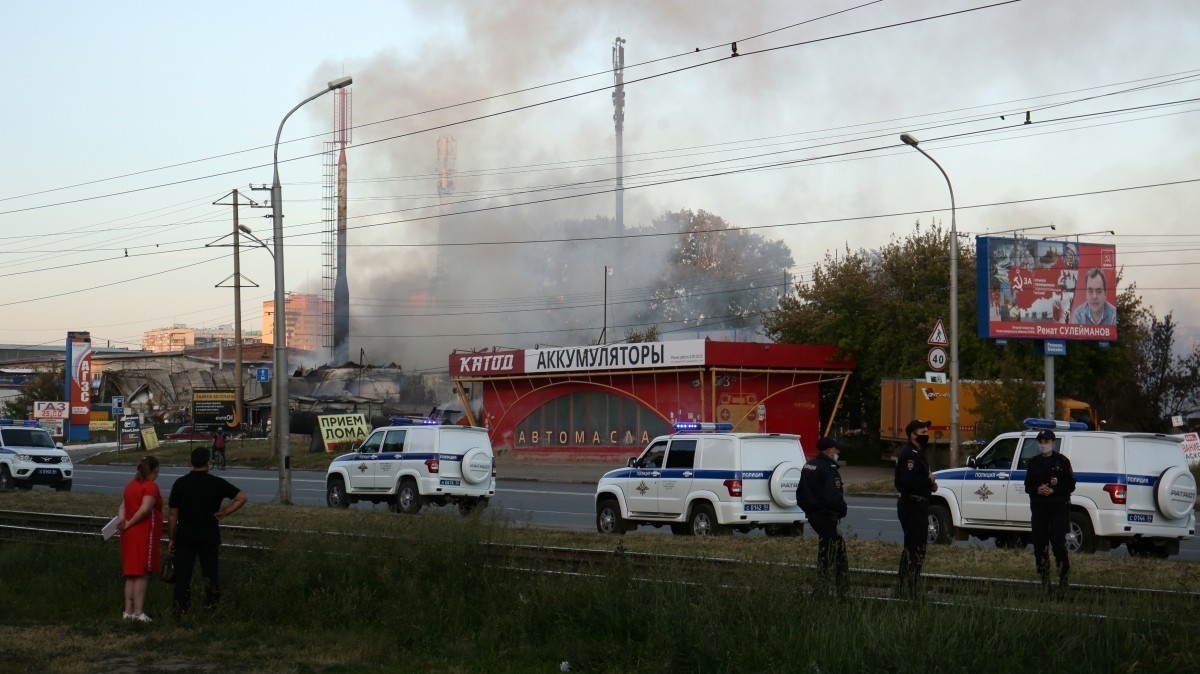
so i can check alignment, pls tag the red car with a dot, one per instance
(188, 433)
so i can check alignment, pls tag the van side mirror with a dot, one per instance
(970, 462)
(632, 462)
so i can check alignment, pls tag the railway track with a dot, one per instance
(873, 584)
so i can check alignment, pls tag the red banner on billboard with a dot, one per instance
(1036, 289)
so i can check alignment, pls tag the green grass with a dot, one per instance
(240, 453)
(416, 595)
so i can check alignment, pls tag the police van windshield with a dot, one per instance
(26, 437)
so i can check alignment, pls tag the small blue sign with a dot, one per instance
(118, 406)
(1001, 342)
(1056, 347)
(263, 374)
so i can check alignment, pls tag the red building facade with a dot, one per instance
(609, 401)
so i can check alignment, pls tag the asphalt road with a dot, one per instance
(552, 505)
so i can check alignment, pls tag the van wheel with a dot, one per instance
(608, 518)
(408, 498)
(1080, 535)
(335, 493)
(941, 527)
(703, 522)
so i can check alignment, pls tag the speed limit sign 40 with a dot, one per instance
(937, 358)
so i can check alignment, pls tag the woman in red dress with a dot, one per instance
(140, 523)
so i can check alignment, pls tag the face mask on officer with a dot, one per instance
(1046, 447)
(922, 441)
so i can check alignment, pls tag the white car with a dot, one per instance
(1131, 488)
(414, 463)
(705, 480)
(29, 456)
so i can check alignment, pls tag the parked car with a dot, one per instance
(1133, 489)
(415, 462)
(29, 456)
(189, 433)
(706, 480)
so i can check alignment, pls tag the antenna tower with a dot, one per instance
(333, 242)
(447, 156)
(618, 99)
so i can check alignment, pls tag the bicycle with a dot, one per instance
(218, 459)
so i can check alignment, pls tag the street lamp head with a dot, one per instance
(908, 139)
(245, 229)
(340, 82)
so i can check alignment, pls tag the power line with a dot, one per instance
(527, 107)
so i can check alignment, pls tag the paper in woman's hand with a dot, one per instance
(111, 528)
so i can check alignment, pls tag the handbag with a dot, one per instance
(168, 568)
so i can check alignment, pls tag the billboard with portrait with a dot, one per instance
(1041, 289)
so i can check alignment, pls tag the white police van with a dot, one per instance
(706, 480)
(415, 462)
(1131, 488)
(29, 456)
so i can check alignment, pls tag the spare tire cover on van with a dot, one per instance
(785, 479)
(476, 465)
(1175, 494)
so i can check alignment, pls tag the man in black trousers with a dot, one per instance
(915, 483)
(1049, 481)
(195, 510)
(820, 496)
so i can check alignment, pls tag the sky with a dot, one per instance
(126, 122)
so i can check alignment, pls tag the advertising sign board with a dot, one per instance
(53, 426)
(1191, 448)
(342, 429)
(130, 430)
(79, 383)
(1036, 289)
(213, 408)
(50, 409)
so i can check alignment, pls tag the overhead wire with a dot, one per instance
(529, 106)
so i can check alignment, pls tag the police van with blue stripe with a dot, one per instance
(29, 456)
(413, 463)
(1131, 488)
(706, 480)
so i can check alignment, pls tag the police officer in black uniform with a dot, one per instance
(820, 495)
(1049, 481)
(915, 483)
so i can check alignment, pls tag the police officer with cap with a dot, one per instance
(915, 483)
(820, 496)
(1049, 481)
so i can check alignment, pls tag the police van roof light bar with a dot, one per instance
(1035, 424)
(702, 426)
(32, 423)
(409, 421)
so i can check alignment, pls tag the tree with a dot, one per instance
(717, 275)
(879, 306)
(633, 335)
(46, 385)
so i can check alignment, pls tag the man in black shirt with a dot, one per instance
(915, 483)
(1049, 481)
(820, 496)
(193, 525)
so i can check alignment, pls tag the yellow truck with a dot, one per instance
(902, 400)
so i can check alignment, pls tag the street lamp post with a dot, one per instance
(279, 389)
(909, 139)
